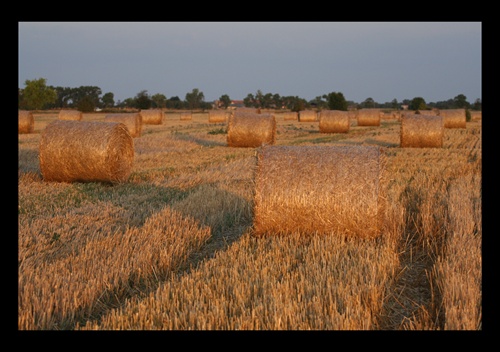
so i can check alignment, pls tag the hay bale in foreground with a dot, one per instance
(246, 129)
(218, 116)
(308, 116)
(70, 115)
(132, 120)
(368, 117)
(290, 116)
(334, 121)
(86, 151)
(26, 122)
(320, 189)
(421, 131)
(454, 118)
(152, 116)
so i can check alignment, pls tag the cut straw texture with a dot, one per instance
(185, 116)
(26, 121)
(70, 115)
(218, 116)
(421, 131)
(86, 151)
(247, 129)
(453, 118)
(290, 116)
(320, 189)
(308, 116)
(334, 121)
(152, 116)
(368, 117)
(132, 120)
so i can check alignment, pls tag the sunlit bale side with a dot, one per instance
(70, 115)
(247, 129)
(334, 121)
(308, 116)
(26, 121)
(333, 190)
(290, 116)
(86, 151)
(453, 118)
(368, 117)
(152, 116)
(421, 131)
(132, 120)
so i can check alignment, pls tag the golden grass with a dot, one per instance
(173, 247)
(71, 115)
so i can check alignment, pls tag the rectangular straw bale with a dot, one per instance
(132, 120)
(453, 118)
(26, 121)
(421, 131)
(290, 116)
(247, 129)
(334, 121)
(186, 115)
(308, 116)
(218, 116)
(335, 190)
(368, 117)
(70, 115)
(86, 151)
(152, 116)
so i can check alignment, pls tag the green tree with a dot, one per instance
(336, 101)
(86, 104)
(194, 99)
(460, 101)
(36, 95)
(418, 103)
(159, 100)
(142, 100)
(225, 100)
(108, 100)
(368, 103)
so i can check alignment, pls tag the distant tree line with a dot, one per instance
(37, 95)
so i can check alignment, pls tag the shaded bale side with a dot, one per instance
(421, 131)
(334, 121)
(86, 151)
(70, 115)
(290, 116)
(26, 122)
(218, 116)
(133, 121)
(454, 118)
(246, 129)
(308, 116)
(368, 117)
(185, 116)
(152, 116)
(337, 190)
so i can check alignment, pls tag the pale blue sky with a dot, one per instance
(379, 60)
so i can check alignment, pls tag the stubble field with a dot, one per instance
(173, 247)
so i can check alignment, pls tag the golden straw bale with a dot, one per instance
(320, 189)
(132, 120)
(476, 115)
(247, 129)
(70, 115)
(290, 116)
(454, 118)
(368, 117)
(217, 116)
(308, 116)
(186, 115)
(86, 151)
(152, 116)
(421, 131)
(334, 121)
(26, 121)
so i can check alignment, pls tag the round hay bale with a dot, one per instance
(454, 118)
(247, 129)
(218, 116)
(334, 121)
(290, 116)
(70, 115)
(186, 115)
(132, 120)
(308, 116)
(368, 117)
(320, 189)
(152, 116)
(421, 131)
(26, 121)
(86, 151)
